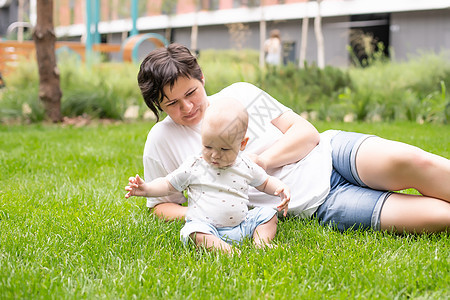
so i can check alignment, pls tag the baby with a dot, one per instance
(217, 185)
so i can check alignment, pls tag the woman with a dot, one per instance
(273, 48)
(341, 178)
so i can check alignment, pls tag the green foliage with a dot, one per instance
(99, 91)
(305, 89)
(20, 100)
(415, 90)
(222, 68)
(374, 54)
(67, 232)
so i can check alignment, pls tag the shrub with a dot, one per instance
(305, 89)
(99, 91)
(413, 90)
(20, 99)
(222, 68)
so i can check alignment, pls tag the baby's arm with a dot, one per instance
(274, 186)
(156, 188)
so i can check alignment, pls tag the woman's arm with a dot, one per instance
(299, 138)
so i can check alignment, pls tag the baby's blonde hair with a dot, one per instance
(227, 116)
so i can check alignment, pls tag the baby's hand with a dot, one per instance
(135, 187)
(285, 194)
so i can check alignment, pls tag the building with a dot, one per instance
(11, 17)
(406, 26)
(8, 15)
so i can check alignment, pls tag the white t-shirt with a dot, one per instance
(169, 145)
(218, 196)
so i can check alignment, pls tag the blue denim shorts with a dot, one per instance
(350, 203)
(254, 218)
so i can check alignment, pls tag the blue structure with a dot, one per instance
(133, 42)
(93, 18)
(134, 16)
(89, 34)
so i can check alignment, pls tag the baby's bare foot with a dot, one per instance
(265, 245)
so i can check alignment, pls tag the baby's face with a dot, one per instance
(219, 151)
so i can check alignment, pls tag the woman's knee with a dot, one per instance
(440, 218)
(408, 213)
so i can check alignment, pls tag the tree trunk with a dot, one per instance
(44, 39)
(20, 19)
(262, 39)
(319, 38)
(304, 40)
(262, 35)
(194, 33)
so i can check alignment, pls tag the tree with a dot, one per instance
(319, 37)
(169, 8)
(262, 35)
(44, 39)
(194, 29)
(304, 41)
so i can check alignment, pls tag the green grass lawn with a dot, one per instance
(66, 231)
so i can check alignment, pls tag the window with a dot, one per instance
(208, 5)
(169, 7)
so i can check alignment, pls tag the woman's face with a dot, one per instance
(186, 101)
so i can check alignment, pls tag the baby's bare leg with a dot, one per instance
(265, 233)
(212, 242)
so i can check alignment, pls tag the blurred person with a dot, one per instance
(273, 48)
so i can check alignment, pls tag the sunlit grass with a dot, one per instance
(66, 231)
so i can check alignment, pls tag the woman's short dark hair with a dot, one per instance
(164, 66)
